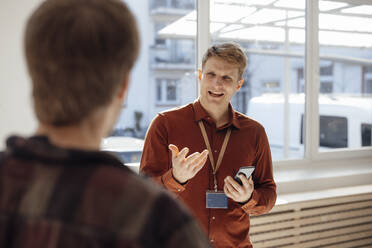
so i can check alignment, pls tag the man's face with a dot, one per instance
(219, 80)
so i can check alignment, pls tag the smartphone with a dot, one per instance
(246, 171)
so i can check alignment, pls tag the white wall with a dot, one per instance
(15, 94)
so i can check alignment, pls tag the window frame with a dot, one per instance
(312, 155)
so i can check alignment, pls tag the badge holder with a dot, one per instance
(216, 199)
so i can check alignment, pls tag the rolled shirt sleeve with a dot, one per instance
(264, 195)
(156, 159)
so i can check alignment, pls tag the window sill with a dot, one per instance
(163, 105)
(305, 176)
(323, 194)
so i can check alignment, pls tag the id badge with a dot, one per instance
(216, 199)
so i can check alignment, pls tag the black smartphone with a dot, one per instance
(246, 171)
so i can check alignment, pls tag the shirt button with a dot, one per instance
(212, 240)
(213, 218)
(215, 150)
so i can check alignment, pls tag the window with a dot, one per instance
(270, 39)
(159, 3)
(344, 49)
(368, 87)
(291, 69)
(159, 90)
(159, 41)
(326, 87)
(171, 90)
(333, 131)
(175, 4)
(183, 4)
(366, 134)
(271, 86)
(166, 91)
(367, 80)
(326, 78)
(326, 70)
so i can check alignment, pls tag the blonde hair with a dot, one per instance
(229, 52)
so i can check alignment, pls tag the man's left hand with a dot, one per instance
(237, 192)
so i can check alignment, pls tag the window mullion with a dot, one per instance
(312, 80)
(203, 34)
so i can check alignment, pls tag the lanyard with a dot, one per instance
(210, 154)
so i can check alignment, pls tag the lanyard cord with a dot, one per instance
(210, 154)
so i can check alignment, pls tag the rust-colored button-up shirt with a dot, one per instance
(248, 145)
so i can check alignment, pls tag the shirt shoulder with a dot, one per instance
(184, 111)
(170, 224)
(158, 219)
(172, 118)
(126, 183)
(2, 157)
(247, 122)
(95, 202)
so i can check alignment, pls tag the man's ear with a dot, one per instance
(123, 88)
(240, 84)
(199, 74)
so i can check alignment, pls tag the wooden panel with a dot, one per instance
(293, 242)
(300, 213)
(311, 220)
(365, 243)
(321, 202)
(333, 240)
(334, 222)
(334, 232)
(314, 228)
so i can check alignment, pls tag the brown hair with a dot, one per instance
(78, 53)
(230, 52)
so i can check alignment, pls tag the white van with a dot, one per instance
(345, 121)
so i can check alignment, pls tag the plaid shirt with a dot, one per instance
(54, 197)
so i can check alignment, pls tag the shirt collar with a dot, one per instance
(201, 114)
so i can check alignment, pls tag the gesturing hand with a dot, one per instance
(185, 168)
(237, 192)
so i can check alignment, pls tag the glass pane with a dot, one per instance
(345, 96)
(333, 131)
(163, 77)
(273, 37)
(366, 134)
(171, 90)
(159, 90)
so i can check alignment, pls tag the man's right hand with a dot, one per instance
(185, 168)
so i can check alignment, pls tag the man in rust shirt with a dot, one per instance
(220, 141)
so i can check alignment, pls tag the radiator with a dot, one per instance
(340, 222)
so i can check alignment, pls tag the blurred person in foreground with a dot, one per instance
(219, 140)
(56, 188)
